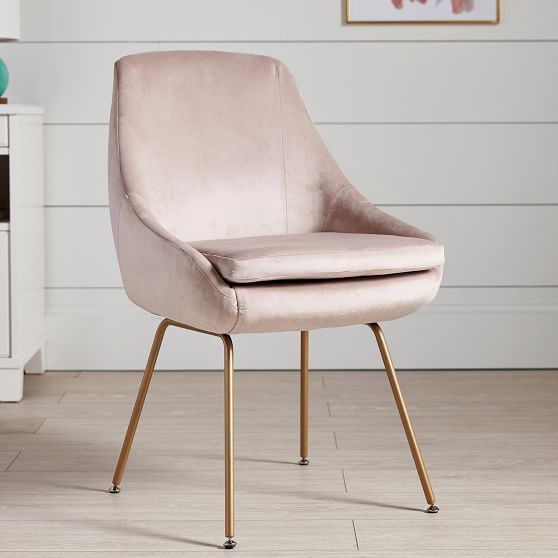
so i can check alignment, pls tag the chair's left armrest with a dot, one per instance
(167, 276)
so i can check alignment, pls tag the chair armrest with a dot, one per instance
(351, 212)
(167, 276)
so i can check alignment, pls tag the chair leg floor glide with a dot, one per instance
(405, 419)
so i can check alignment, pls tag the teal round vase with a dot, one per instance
(4, 77)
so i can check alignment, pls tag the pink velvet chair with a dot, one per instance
(230, 216)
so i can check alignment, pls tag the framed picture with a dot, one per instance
(422, 11)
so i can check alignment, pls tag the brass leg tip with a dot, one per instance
(432, 509)
(114, 489)
(229, 544)
(304, 461)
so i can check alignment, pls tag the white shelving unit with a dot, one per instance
(22, 275)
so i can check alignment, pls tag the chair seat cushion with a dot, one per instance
(325, 255)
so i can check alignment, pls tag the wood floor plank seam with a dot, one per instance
(356, 538)
(12, 461)
(40, 426)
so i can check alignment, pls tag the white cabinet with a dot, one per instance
(22, 275)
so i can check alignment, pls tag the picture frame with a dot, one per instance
(428, 12)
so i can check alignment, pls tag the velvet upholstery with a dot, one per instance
(210, 146)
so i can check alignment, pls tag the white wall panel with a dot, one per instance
(444, 340)
(76, 164)
(392, 164)
(347, 82)
(462, 328)
(256, 20)
(448, 163)
(499, 246)
(80, 249)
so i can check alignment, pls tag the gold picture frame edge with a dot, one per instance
(496, 21)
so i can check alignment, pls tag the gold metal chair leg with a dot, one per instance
(229, 442)
(140, 400)
(417, 457)
(303, 398)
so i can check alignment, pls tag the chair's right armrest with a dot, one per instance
(168, 277)
(351, 212)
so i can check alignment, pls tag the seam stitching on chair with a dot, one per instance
(120, 207)
(240, 310)
(341, 191)
(278, 71)
(117, 132)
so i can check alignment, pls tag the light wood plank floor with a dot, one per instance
(489, 439)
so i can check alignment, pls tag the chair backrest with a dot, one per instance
(217, 145)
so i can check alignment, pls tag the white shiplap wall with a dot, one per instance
(452, 128)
